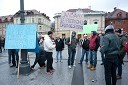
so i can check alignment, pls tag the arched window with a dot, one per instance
(95, 22)
(85, 22)
(40, 28)
(119, 15)
(126, 15)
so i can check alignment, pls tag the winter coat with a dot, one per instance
(94, 41)
(59, 44)
(111, 44)
(123, 41)
(85, 44)
(73, 43)
(48, 44)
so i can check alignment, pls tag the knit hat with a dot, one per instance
(94, 33)
(109, 27)
(118, 30)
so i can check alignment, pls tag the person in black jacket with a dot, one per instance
(59, 47)
(85, 49)
(111, 48)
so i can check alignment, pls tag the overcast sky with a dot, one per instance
(50, 7)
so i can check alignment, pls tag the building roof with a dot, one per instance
(30, 13)
(85, 11)
(116, 14)
(7, 18)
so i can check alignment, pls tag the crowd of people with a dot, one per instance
(111, 44)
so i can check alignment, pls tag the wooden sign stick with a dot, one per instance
(18, 76)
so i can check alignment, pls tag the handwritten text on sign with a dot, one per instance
(20, 36)
(72, 20)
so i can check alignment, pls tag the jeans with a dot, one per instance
(83, 53)
(9, 55)
(71, 53)
(93, 58)
(120, 62)
(102, 57)
(110, 66)
(0, 49)
(119, 68)
(57, 52)
(15, 57)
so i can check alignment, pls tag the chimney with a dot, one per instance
(89, 7)
(115, 8)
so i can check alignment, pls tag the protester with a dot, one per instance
(93, 46)
(40, 54)
(122, 52)
(71, 49)
(59, 47)
(85, 49)
(14, 56)
(48, 47)
(110, 47)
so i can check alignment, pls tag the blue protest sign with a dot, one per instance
(37, 48)
(20, 36)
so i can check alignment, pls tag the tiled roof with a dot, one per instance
(83, 10)
(6, 18)
(115, 13)
(30, 12)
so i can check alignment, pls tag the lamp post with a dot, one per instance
(24, 66)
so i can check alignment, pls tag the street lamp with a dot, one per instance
(24, 66)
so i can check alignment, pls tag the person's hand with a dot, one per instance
(53, 43)
(69, 42)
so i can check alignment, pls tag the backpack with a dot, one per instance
(126, 47)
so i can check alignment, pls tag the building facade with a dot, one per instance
(118, 18)
(4, 20)
(33, 16)
(91, 17)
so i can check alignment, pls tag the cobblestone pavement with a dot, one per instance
(62, 75)
(97, 77)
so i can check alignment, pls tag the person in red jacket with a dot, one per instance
(93, 46)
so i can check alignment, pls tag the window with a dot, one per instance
(26, 20)
(43, 20)
(119, 15)
(95, 22)
(16, 21)
(32, 20)
(85, 22)
(127, 15)
(40, 28)
(39, 20)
